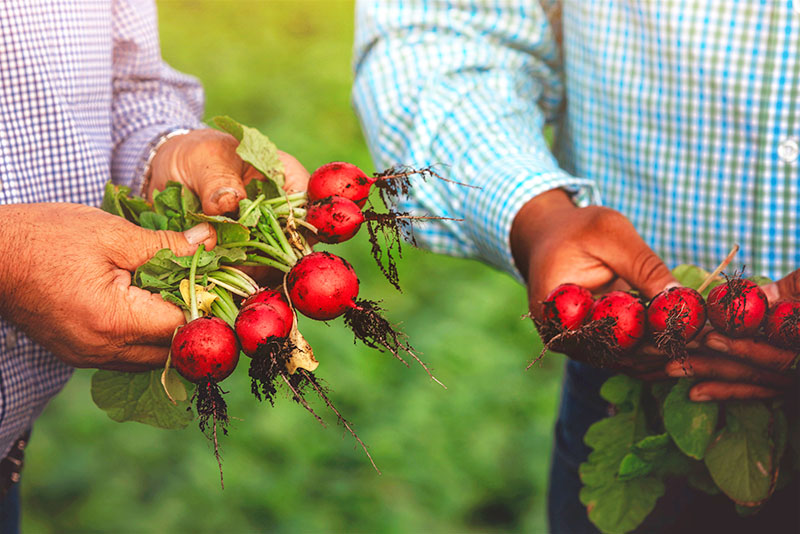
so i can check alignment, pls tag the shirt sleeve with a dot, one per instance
(150, 99)
(464, 86)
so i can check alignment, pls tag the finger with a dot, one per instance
(756, 352)
(721, 391)
(724, 369)
(296, 174)
(144, 317)
(630, 257)
(220, 186)
(787, 287)
(139, 358)
(141, 245)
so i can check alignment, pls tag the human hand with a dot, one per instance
(65, 280)
(206, 162)
(555, 242)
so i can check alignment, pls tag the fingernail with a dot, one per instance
(771, 290)
(217, 195)
(677, 370)
(714, 343)
(671, 285)
(198, 234)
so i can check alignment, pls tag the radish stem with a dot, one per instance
(192, 274)
(719, 268)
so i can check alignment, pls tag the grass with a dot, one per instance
(473, 458)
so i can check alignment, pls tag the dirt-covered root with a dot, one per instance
(210, 405)
(370, 327)
(266, 367)
(389, 226)
(672, 340)
(395, 181)
(593, 342)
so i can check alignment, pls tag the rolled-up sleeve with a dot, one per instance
(466, 87)
(150, 99)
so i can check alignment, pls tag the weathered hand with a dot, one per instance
(206, 161)
(555, 242)
(65, 280)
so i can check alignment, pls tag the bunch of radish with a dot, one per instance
(615, 323)
(262, 322)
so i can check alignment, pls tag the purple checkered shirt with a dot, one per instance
(84, 96)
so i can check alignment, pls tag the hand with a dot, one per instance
(555, 242)
(65, 280)
(730, 368)
(206, 161)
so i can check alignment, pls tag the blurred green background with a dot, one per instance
(473, 458)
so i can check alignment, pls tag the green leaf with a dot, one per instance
(255, 148)
(621, 505)
(692, 276)
(651, 448)
(741, 459)
(632, 466)
(153, 221)
(138, 397)
(690, 424)
(611, 440)
(620, 389)
(253, 214)
(699, 478)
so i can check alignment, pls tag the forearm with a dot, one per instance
(471, 88)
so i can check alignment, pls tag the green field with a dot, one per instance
(473, 458)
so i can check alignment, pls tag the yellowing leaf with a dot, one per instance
(204, 298)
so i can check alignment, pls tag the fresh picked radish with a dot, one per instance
(260, 324)
(675, 316)
(564, 311)
(342, 179)
(323, 286)
(567, 307)
(782, 325)
(336, 218)
(275, 299)
(737, 307)
(205, 349)
(621, 318)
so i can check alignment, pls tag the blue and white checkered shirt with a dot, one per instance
(84, 95)
(682, 114)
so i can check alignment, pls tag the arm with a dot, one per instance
(471, 85)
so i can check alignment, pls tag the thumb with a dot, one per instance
(637, 264)
(146, 243)
(787, 287)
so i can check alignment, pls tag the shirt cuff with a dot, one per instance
(507, 185)
(131, 156)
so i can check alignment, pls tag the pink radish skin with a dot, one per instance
(205, 348)
(322, 286)
(567, 307)
(737, 308)
(273, 298)
(336, 218)
(782, 325)
(342, 179)
(688, 310)
(259, 324)
(629, 314)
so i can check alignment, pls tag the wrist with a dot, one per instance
(163, 146)
(533, 221)
(12, 263)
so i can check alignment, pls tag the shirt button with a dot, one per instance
(789, 149)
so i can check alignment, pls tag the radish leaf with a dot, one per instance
(690, 424)
(254, 148)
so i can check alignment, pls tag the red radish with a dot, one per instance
(322, 286)
(679, 312)
(205, 349)
(273, 298)
(567, 307)
(782, 325)
(627, 318)
(258, 325)
(737, 308)
(340, 179)
(336, 218)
